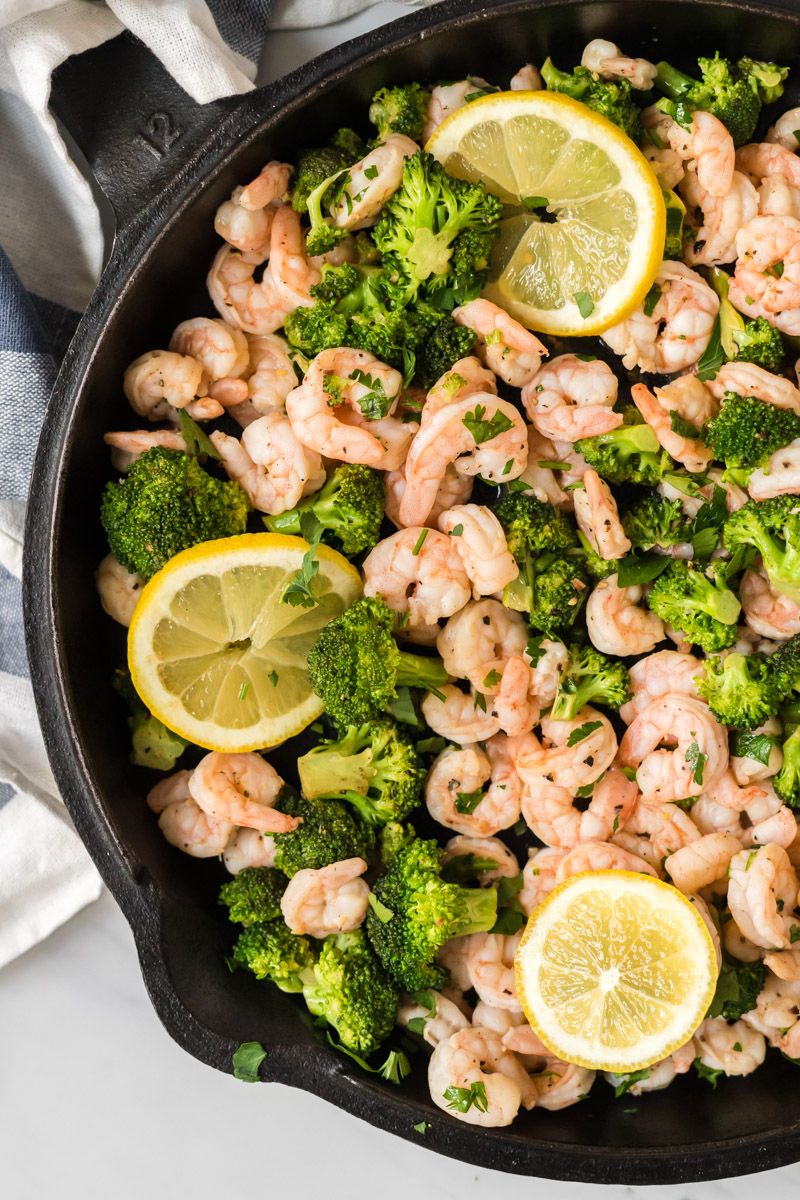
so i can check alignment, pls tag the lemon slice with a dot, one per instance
(615, 970)
(587, 252)
(218, 656)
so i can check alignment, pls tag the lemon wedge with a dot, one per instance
(584, 235)
(615, 970)
(218, 655)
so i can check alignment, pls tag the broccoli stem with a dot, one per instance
(479, 912)
(415, 671)
(673, 82)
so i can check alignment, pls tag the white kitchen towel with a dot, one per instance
(51, 233)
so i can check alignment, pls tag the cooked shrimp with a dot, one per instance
(326, 428)
(677, 331)
(769, 614)
(183, 823)
(558, 1084)
(655, 145)
(725, 790)
(657, 410)
(762, 894)
(733, 1048)
(783, 132)
(766, 280)
(715, 220)
(771, 822)
(160, 381)
(417, 571)
(477, 1056)
(702, 862)
(435, 1025)
(240, 788)
(779, 476)
(655, 830)
(270, 373)
(118, 588)
(776, 1013)
(747, 379)
(546, 671)
(777, 198)
(456, 715)
(446, 98)
(455, 796)
(482, 435)
(666, 671)
(661, 1074)
(748, 770)
(574, 765)
(330, 900)
(249, 848)
(572, 398)
(481, 544)
(511, 699)
(128, 444)
(467, 377)
(499, 1020)
(526, 79)
(601, 856)
(483, 631)
(598, 516)
(220, 348)
(607, 60)
(784, 963)
(505, 346)
(700, 753)
(615, 622)
(542, 481)
(539, 876)
(483, 851)
(490, 965)
(290, 270)
(245, 220)
(369, 183)
(454, 489)
(270, 464)
(241, 300)
(759, 160)
(707, 148)
(453, 957)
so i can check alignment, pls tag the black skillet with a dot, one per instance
(165, 164)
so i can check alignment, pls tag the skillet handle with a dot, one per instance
(135, 126)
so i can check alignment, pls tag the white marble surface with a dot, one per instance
(97, 1103)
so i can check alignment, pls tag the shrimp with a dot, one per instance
(558, 1084)
(570, 763)
(454, 794)
(326, 428)
(252, 305)
(776, 1013)
(453, 957)
(707, 148)
(601, 856)
(657, 410)
(482, 435)
(249, 848)
(700, 753)
(435, 1024)
(466, 378)
(417, 571)
(129, 444)
(783, 132)
(779, 476)
(446, 98)
(270, 373)
(737, 945)
(160, 381)
(490, 965)
(512, 701)
(477, 1056)
(777, 198)
(666, 671)
(369, 183)
(615, 622)
(725, 791)
(678, 329)
(655, 830)
(526, 79)
(456, 716)
(735, 1049)
(702, 862)
(771, 821)
(505, 346)
(454, 489)
(784, 963)
(245, 220)
(747, 379)
(487, 857)
(481, 543)
(716, 219)
(221, 349)
(748, 770)
(607, 60)
(242, 789)
(768, 613)
(766, 280)
(542, 481)
(660, 1075)
(483, 631)
(598, 516)
(118, 588)
(546, 671)
(762, 894)
(539, 877)
(655, 145)
(183, 823)
(759, 160)
(290, 270)
(499, 1020)
(270, 464)
(330, 900)
(572, 398)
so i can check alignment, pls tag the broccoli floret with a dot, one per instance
(703, 608)
(419, 231)
(590, 678)
(612, 98)
(733, 92)
(349, 142)
(402, 109)
(349, 507)
(785, 665)
(373, 767)
(631, 453)
(597, 566)
(356, 668)
(656, 521)
(314, 166)
(336, 282)
(165, 504)
(740, 689)
(316, 328)
(746, 431)
(416, 912)
(787, 781)
(532, 526)
(152, 744)
(351, 991)
(393, 837)
(271, 951)
(328, 833)
(760, 343)
(445, 344)
(254, 895)
(773, 528)
(738, 986)
(323, 236)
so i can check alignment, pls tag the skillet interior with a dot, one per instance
(155, 279)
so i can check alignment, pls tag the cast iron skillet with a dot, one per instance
(164, 164)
